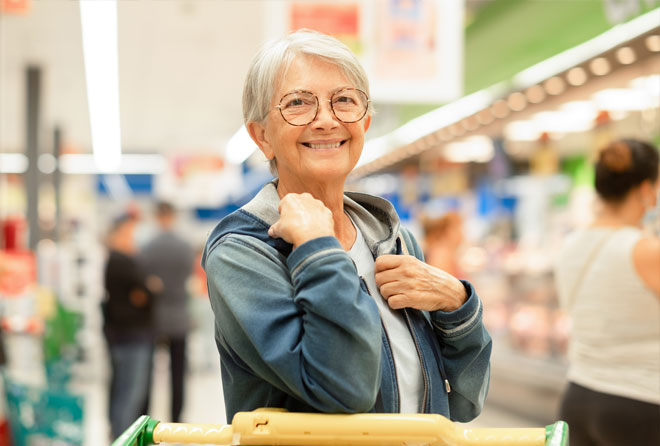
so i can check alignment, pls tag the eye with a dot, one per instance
(345, 99)
(297, 100)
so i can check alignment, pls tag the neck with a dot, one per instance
(332, 196)
(626, 213)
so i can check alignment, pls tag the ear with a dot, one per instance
(258, 134)
(367, 122)
(648, 192)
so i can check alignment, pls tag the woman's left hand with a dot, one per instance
(405, 281)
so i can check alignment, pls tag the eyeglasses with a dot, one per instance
(301, 107)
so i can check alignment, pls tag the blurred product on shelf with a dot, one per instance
(39, 340)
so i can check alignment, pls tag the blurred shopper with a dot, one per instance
(443, 238)
(608, 278)
(127, 325)
(317, 306)
(170, 258)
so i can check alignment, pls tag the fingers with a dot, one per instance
(405, 281)
(398, 301)
(386, 262)
(302, 218)
(272, 231)
(390, 289)
(387, 276)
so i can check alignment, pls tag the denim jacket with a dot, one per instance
(299, 330)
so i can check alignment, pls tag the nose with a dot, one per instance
(325, 118)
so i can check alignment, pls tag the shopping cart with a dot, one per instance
(279, 427)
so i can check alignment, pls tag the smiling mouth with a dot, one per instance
(333, 145)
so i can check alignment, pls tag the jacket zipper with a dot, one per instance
(421, 360)
(389, 344)
(404, 251)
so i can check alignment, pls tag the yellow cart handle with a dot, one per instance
(277, 427)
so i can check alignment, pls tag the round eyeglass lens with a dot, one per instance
(349, 105)
(299, 108)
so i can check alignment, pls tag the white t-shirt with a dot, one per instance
(615, 337)
(406, 360)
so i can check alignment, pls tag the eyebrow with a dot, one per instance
(304, 90)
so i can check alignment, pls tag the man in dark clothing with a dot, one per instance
(170, 257)
(127, 313)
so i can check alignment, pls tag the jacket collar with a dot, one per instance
(375, 216)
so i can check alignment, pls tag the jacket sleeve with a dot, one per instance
(465, 347)
(302, 323)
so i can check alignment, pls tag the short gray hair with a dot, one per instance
(274, 58)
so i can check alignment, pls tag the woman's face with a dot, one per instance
(326, 149)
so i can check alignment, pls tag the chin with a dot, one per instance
(325, 173)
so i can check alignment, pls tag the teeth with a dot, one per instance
(325, 146)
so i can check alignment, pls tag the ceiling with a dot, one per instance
(181, 67)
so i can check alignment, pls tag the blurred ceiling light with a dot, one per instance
(99, 37)
(130, 164)
(580, 109)
(240, 146)
(517, 101)
(599, 66)
(470, 123)
(13, 163)
(456, 130)
(524, 130)
(554, 85)
(485, 117)
(477, 149)
(46, 163)
(440, 117)
(576, 76)
(435, 138)
(653, 43)
(622, 99)
(577, 55)
(445, 135)
(648, 84)
(626, 55)
(500, 109)
(413, 150)
(563, 121)
(535, 94)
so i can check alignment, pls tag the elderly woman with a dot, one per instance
(322, 301)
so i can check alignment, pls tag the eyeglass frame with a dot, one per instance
(318, 106)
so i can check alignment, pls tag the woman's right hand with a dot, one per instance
(302, 218)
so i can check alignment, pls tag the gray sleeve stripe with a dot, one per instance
(314, 256)
(463, 326)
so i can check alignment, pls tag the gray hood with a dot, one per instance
(375, 216)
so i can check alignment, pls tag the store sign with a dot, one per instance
(14, 6)
(341, 20)
(412, 50)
